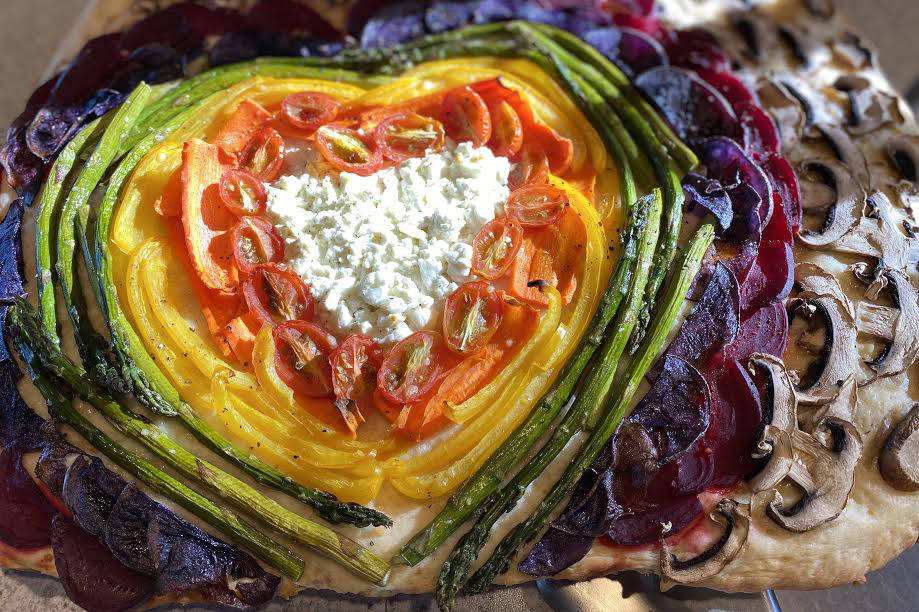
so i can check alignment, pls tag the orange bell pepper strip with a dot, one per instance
(559, 151)
(248, 118)
(206, 220)
(240, 335)
(169, 202)
(552, 254)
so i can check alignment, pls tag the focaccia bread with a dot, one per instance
(820, 490)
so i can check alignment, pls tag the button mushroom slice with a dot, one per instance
(846, 151)
(869, 107)
(784, 108)
(846, 209)
(899, 459)
(711, 561)
(824, 469)
(840, 407)
(852, 50)
(898, 325)
(808, 49)
(779, 422)
(903, 154)
(820, 8)
(876, 235)
(820, 295)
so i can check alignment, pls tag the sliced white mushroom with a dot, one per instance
(876, 235)
(820, 295)
(780, 421)
(847, 206)
(736, 523)
(846, 151)
(899, 459)
(869, 107)
(784, 108)
(850, 48)
(898, 326)
(903, 154)
(824, 470)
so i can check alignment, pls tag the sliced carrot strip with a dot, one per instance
(169, 202)
(248, 118)
(240, 334)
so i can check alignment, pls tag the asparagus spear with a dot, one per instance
(61, 407)
(487, 478)
(581, 414)
(618, 402)
(339, 548)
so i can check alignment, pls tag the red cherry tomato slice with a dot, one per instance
(466, 117)
(495, 246)
(408, 135)
(243, 193)
(411, 368)
(537, 205)
(255, 242)
(472, 315)
(264, 155)
(355, 364)
(274, 293)
(530, 166)
(506, 130)
(302, 357)
(308, 110)
(348, 150)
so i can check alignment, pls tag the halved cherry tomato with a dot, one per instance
(472, 315)
(348, 150)
(308, 110)
(495, 246)
(302, 357)
(530, 166)
(411, 368)
(243, 193)
(466, 117)
(408, 135)
(264, 155)
(506, 129)
(537, 205)
(256, 241)
(355, 364)
(274, 293)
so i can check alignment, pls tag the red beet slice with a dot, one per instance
(763, 331)
(770, 277)
(736, 417)
(92, 577)
(696, 49)
(647, 527)
(290, 16)
(785, 184)
(25, 513)
(637, 52)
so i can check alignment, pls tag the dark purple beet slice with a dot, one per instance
(10, 276)
(593, 501)
(290, 16)
(487, 11)
(90, 575)
(692, 107)
(90, 491)
(182, 26)
(647, 527)
(20, 428)
(638, 52)
(555, 551)
(736, 417)
(90, 71)
(696, 49)
(532, 11)
(360, 13)
(25, 513)
(763, 331)
(126, 529)
(770, 277)
(714, 320)
(394, 23)
(710, 195)
(445, 15)
(728, 162)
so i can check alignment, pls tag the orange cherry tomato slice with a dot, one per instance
(506, 130)
(348, 150)
(274, 293)
(537, 205)
(495, 246)
(355, 363)
(407, 135)
(307, 110)
(255, 242)
(302, 357)
(466, 117)
(530, 166)
(243, 193)
(264, 155)
(472, 315)
(411, 368)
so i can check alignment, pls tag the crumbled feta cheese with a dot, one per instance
(381, 252)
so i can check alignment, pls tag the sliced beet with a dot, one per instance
(90, 491)
(648, 25)
(760, 136)
(25, 513)
(696, 49)
(91, 576)
(770, 277)
(713, 321)
(20, 428)
(487, 11)
(53, 461)
(10, 262)
(734, 91)
(710, 195)
(125, 531)
(785, 184)
(532, 11)
(728, 162)
(444, 15)
(394, 23)
(648, 527)
(290, 16)
(736, 417)
(764, 330)
(182, 26)
(555, 551)
(692, 107)
(638, 52)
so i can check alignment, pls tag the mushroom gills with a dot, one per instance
(779, 422)
(897, 326)
(899, 459)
